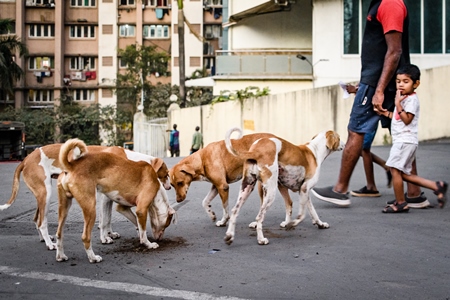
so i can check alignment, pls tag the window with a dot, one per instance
(41, 63)
(156, 31)
(82, 31)
(430, 36)
(82, 3)
(213, 2)
(83, 95)
(126, 2)
(213, 31)
(44, 2)
(122, 64)
(127, 30)
(82, 63)
(47, 30)
(40, 96)
(156, 2)
(11, 30)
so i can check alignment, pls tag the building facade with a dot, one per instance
(286, 45)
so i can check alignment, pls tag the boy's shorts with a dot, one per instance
(363, 119)
(402, 156)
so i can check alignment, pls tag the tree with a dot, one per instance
(141, 62)
(10, 72)
(181, 56)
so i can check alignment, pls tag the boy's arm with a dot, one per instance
(406, 117)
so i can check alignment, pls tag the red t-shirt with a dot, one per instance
(391, 14)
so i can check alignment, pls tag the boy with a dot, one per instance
(404, 130)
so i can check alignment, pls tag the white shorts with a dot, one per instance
(402, 156)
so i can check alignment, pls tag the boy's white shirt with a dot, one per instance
(402, 133)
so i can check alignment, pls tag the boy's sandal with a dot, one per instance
(441, 190)
(396, 208)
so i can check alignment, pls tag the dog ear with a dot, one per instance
(333, 140)
(188, 169)
(157, 164)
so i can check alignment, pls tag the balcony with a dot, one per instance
(282, 64)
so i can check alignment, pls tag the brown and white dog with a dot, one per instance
(40, 166)
(216, 165)
(274, 161)
(123, 181)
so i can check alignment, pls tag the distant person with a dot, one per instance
(174, 142)
(405, 140)
(197, 140)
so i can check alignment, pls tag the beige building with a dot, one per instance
(73, 44)
(286, 45)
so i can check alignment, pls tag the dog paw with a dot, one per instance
(107, 240)
(51, 246)
(283, 224)
(61, 257)
(323, 225)
(228, 239)
(221, 223)
(95, 259)
(252, 225)
(150, 245)
(263, 241)
(290, 226)
(114, 235)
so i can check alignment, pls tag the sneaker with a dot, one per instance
(416, 202)
(364, 192)
(327, 194)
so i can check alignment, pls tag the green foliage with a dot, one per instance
(241, 95)
(39, 123)
(73, 120)
(142, 61)
(10, 45)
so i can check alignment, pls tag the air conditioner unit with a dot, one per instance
(30, 3)
(209, 35)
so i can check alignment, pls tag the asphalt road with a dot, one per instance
(363, 255)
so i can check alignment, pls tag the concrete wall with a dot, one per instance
(298, 116)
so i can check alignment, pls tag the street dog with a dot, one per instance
(123, 181)
(40, 166)
(214, 164)
(274, 161)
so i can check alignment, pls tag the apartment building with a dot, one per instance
(73, 44)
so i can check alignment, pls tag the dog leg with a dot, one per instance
(314, 216)
(246, 190)
(303, 199)
(106, 233)
(207, 202)
(223, 193)
(288, 205)
(64, 204)
(253, 224)
(43, 195)
(141, 213)
(127, 213)
(87, 204)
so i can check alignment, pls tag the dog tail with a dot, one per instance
(15, 187)
(70, 151)
(228, 140)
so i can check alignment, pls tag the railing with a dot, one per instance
(264, 63)
(150, 136)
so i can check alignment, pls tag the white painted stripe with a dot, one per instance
(108, 285)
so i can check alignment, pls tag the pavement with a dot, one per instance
(365, 254)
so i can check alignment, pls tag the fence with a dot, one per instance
(150, 136)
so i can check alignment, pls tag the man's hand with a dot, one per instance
(377, 101)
